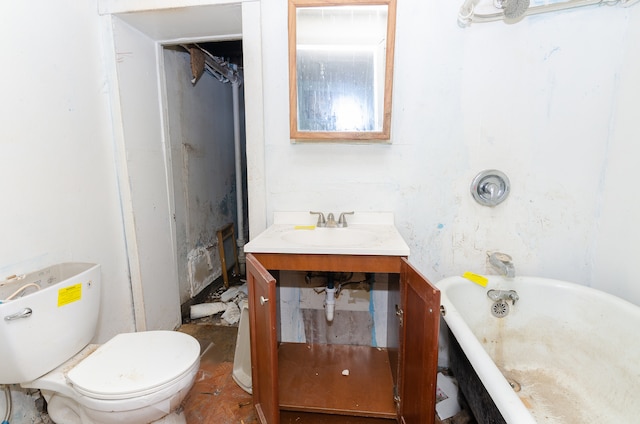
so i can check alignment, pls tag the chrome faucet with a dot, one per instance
(342, 220)
(321, 221)
(330, 222)
(503, 264)
(502, 295)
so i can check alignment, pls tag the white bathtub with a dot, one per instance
(573, 351)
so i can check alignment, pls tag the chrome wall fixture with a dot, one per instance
(490, 187)
(512, 11)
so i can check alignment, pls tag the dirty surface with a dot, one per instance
(216, 398)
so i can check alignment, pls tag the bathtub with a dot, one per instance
(564, 353)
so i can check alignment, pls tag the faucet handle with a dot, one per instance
(342, 220)
(321, 221)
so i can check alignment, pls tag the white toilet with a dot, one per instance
(134, 378)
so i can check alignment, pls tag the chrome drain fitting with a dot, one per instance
(500, 309)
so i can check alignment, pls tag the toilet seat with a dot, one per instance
(135, 364)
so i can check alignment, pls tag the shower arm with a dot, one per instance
(467, 13)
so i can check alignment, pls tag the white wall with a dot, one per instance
(616, 249)
(143, 168)
(60, 198)
(548, 101)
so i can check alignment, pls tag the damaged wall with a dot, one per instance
(200, 121)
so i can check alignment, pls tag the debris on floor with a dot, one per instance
(462, 417)
(233, 292)
(206, 309)
(227, 303)
(446, 397)
(451, 406)
(232, 314)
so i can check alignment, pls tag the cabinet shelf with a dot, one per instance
(310, 379)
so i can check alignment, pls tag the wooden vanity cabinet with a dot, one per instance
(397, 383)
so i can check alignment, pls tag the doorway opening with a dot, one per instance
(144, 160)
(206, 141)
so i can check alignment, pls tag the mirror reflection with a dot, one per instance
(340, 69)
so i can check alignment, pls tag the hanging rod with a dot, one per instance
(512, 11)
(218, 67)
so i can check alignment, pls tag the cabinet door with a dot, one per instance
(420, 315)
(264, 353)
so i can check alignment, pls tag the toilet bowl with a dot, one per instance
(134, 378)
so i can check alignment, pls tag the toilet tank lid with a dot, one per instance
(134, 364)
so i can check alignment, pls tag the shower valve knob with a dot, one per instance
(490, 187)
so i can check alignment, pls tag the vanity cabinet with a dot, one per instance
(396, 383)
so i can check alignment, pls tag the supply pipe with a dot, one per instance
(240, 242)
(227, 73)
(7, 394)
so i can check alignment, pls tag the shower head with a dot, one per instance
(513, 9)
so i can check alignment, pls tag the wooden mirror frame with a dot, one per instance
(385, 132)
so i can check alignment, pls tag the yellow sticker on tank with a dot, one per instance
(69, 294)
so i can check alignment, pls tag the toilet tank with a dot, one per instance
(46, 317)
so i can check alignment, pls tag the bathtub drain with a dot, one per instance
(500, 309)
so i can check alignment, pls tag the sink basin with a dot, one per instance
(368, 233)
(322, 237)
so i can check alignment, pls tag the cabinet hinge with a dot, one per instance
(400, 314)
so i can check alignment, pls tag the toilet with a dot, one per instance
(134, 378)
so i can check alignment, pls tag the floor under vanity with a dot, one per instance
(216, 399)
(325, 366)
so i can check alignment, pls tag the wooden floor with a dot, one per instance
(215, 398)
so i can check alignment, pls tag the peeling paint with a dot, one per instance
(204, 267)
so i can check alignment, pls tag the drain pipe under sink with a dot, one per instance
(330, 302)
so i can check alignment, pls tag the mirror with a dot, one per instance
(341, 69)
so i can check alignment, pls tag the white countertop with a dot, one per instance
(367, 233)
